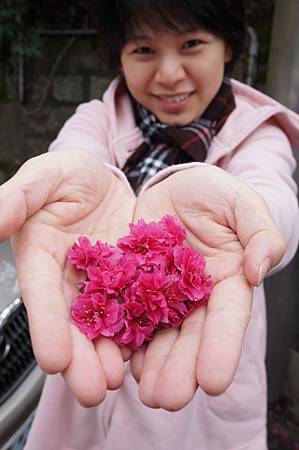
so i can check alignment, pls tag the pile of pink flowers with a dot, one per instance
(149, 281)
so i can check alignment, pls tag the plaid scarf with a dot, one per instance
(165, 145)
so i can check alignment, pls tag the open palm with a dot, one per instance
(63, 196)
(57, 197)
(230, 225)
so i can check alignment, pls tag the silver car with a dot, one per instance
(21, 380)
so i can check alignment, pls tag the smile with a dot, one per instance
(174, 98)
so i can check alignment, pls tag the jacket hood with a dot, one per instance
(261, 107)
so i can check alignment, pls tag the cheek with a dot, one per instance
(203, 72)
(136, 82)
(130, 74)
(212, 76)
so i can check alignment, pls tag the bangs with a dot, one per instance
(157, 15)
(120, 21)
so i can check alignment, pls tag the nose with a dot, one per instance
(170, 70)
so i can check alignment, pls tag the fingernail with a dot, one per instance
(264, 269)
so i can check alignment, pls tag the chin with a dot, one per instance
(178, 123)
(175, 120)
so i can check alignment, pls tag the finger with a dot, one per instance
(85, 375)
(155, 356)
(40, 282)
(26, 192)
(137, 362)
(228, 314)
(264, 246)
(48, 178)
(112, 361)
(126, 352)
(177, 382)
(263, 252)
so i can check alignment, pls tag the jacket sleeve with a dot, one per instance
(86, 130)
(265, 161)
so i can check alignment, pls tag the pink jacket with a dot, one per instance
(256, 145)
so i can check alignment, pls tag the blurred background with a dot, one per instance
(49, 64)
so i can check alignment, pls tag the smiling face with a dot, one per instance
(174, 75)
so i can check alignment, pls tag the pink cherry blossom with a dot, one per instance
(190, 265)
(86, 255)
(138, 327)
(158, 291)
(112, 275)
(95, 315)
(176, 234)
(149, 281)
(150, 240)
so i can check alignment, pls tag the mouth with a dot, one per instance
(174, 104)
(173, 99)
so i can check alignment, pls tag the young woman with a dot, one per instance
(173, 128)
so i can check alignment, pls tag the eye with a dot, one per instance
(192, 43)
(143, 50)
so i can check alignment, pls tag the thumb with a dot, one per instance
(26, 192)
(263, 252)
(263, 245)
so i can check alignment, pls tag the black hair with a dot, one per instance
(117, 20)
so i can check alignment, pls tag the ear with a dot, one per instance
(228, 54)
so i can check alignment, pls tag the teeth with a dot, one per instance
(174, 98)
